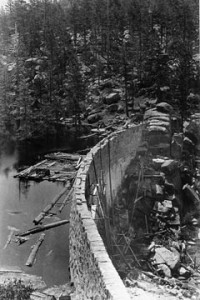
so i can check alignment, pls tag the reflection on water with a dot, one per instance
(20, 203)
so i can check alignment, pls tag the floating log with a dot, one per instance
(51, 164)
(21, 240)
(36, 295)
(85, 151)
(87, 136)
(78, 163)
(57, 167)
(99, 130)
(42, 228)
(34, 251)
(60, 155)
(67, 198)
(41, 216)
(9, 239)
(26, 172)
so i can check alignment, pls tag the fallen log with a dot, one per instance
(34, 251)
(42, 228)
(45, 211)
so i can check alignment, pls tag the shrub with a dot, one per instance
(15, 290)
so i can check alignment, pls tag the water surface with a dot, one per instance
(20, 203)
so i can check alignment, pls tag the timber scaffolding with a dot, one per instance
(55, 167)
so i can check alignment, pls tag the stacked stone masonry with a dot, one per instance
(92, 271)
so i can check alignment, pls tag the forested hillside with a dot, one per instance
(60, 59)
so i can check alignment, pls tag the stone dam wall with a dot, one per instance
(92, 271)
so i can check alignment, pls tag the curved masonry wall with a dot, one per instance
(92, 271)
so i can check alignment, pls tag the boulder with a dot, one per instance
(154, 113)
(136, 109)
(176, 150)
(175, 221)
(157, 128)
(171, 258)
(142, 107)
(192, 131)
(111, 98)
(112, 108)
(164, 107)
(169, 187)
(178, 137)
(188, 145)
(106, 84)
(156, 122)
(164, 270)
(142, 150)
(159, 190)
(157, 162)
(120, 109)
(94, 118)
(192, 136)
(184, 272)
(162, 149)
(159, 117)
(30, 62)
(191, 194)
(169, 166)
(176, 124)
(163, 207)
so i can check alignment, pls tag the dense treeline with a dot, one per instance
(50, 50)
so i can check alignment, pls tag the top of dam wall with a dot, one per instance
(92, 271)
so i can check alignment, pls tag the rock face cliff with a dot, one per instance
(159, 205)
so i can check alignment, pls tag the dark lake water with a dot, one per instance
(20, 203)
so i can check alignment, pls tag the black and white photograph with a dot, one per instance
(99, 149)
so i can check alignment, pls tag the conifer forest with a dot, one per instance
(60, 59)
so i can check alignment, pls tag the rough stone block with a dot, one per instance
(164, 107)
(164, 256)
(176, 150)
(191, 194)
(153, 113)
(169, 166)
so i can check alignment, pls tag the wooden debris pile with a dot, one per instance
(55, 167)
